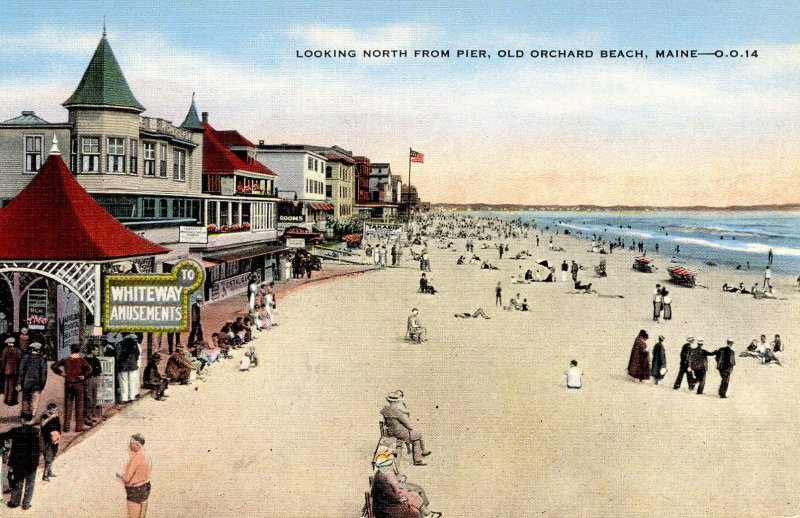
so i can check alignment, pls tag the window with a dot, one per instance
(329, 191)
(329, 172)
(245, 213)
(195, 209)
(211, 218)
(178, 164)
(73, 159)
(235, 213)
(148, 208)
(90, 150)
(224, 210)
(149, 158)
(33, 153)
(310, 163)
(316, 165)
(134, 168)
(116, 155)
(164, 205)
(162, 170)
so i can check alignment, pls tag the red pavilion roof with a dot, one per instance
(218, 159)
(54, 219)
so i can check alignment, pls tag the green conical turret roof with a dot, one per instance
(192, 121)
(103, 83)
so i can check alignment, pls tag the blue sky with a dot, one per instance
(615, 130)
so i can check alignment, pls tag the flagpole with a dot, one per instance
(408, 202)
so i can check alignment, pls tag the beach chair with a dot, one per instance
(393, 443)
(414, 334)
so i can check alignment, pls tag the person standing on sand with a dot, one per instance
(574, 269)
(667, 302)
(659, 360)
(564, 270)
(684, 366)
(639, 363)
(726, 359)
(136, 478)
(658, 301)
(767, 277)
(498, 295)
(769, 256)
(698, 364)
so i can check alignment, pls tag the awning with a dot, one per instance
(242, 252)
(320, 206)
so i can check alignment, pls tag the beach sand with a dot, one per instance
(295, 436)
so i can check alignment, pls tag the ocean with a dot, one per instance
(726, 239)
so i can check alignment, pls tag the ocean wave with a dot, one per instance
(750, 248)
(610, 228)
(720, 231)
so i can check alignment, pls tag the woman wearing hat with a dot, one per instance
(639, 363)
(659, 360)
(393, 499)
(9, 367)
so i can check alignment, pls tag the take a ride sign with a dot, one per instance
(151, 303)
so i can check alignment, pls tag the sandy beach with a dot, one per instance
(295, 436)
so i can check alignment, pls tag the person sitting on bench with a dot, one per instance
(393, 496)
(398, 426)
(425, 287)
(414, 329)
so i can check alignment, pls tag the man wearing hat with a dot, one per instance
(32, 378)
(153, 379)
(698, 364)
(9, 366)
(726, 359)
(75, 370)
(683, 367)
(127, 368)
(390, 497)
(398, 426)
(23, 460)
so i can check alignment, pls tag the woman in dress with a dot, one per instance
(639, 363)
(667, 301)
(659, 361)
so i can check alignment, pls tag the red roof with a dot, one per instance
(54, 219)
(232, 138)
(218, 159)
(333, 157)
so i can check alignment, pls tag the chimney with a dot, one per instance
(205, 117)
(260, 142)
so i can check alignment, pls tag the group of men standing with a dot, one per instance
(694, 365)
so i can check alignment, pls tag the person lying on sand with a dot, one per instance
(488, 266)
(729, 289)
(478, 313)
(586, 288)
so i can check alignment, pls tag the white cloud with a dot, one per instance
(49, 40)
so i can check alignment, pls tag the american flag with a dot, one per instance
(417, 157)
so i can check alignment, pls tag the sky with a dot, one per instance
(539, 131)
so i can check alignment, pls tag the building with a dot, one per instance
(362, 168)
(240, 212)
(384, 193)
(198, 192)
(300, 185)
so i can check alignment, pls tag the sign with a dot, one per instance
(225, 287)
(382, 232)
(193, 235)
(286, 218)
(69, 321)
(105, 390)
(150, 303)
(295, 242)
(227, 185)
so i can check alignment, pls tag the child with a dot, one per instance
(51, 435)
(253, 355)
(574, 376)
(244, 364)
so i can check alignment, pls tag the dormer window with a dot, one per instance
(33, 153)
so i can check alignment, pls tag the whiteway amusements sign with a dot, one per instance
(150, 302)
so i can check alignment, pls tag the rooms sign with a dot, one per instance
(150, 303)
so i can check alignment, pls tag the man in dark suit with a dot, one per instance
(698, 364)
(23, 460)
(726, 359)
(397, 426)
(196, 332)
(684, 366)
